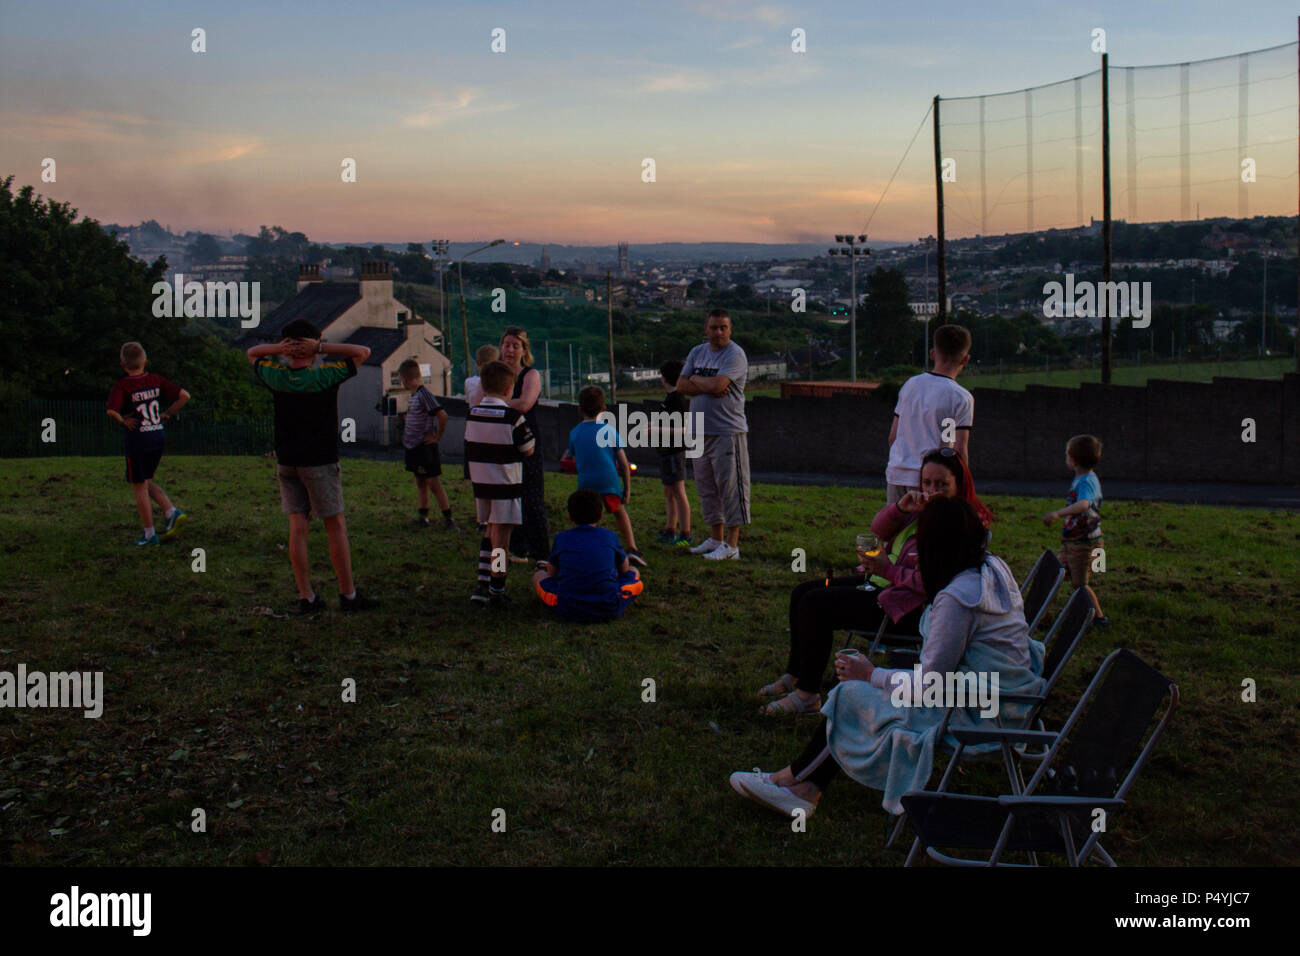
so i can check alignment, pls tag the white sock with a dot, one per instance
(148, 532)
(169, 512)
(312, 599)
(352, 595)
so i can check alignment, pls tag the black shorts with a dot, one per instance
(142, 461)
(424, 461)
(672, 468)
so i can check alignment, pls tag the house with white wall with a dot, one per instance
(364, 313)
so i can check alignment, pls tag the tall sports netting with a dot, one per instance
(1184, 141)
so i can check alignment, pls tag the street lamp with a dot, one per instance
(440, 249)
(853, 247)
(460, 279)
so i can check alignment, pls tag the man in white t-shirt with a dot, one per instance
(714, 375)
(932, 411)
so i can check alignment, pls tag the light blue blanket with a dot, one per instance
(891, 748)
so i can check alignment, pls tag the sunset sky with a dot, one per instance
(544, 142)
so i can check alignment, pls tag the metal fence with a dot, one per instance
(57, 427)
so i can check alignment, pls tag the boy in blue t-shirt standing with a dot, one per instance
(1081, 533)
(594, 446)
(587, 577)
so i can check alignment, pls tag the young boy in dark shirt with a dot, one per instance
(672, 463)
(425, 422)
(307, 450)
(136, 403)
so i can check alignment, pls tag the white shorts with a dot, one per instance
(499, 510)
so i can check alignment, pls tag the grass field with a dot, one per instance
(212, 703)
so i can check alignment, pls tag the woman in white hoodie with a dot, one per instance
(882, 725)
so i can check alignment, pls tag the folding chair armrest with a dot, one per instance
(929, 796)
(1030, 804)
(998, 734)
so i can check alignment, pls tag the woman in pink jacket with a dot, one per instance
(819, 608)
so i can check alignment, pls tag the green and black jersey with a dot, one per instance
(306, 409)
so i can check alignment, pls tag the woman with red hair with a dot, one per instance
(819, 608)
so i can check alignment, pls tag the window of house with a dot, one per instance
(401, 321)
(395, 380)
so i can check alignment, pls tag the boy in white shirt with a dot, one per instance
(473, 384)
(932, 411)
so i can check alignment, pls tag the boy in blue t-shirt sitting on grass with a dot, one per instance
(587, 577)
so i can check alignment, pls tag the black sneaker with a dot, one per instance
(500, 600)
(358, 603)
(634, 556)
(481, 593)
(309, 607)
(449, 524)
(1101, 622)
(422, 522)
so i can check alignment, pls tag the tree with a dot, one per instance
(204, 248)
(889, 334)
(73, 294)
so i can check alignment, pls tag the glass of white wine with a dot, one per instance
(868, 546)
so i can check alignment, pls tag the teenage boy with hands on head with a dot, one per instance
(306, 449)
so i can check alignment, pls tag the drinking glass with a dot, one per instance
(868, 545)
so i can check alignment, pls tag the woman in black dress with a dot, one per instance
(532, 539)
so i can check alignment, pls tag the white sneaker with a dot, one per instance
(706, 546)
(759, 787)
(722, 553)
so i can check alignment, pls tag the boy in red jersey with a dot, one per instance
(136, 403)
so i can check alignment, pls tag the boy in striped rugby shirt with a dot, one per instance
(497, 438)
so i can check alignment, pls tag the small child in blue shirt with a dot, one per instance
(595, 446)
(587, 577)
(1081, 533)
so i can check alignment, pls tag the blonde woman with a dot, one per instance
(532, 539)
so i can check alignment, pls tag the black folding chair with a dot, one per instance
(1062, 640)
(1074, 795)
(1040, 586)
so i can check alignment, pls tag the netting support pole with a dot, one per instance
(1297, 326)
(1105, 213)
(940, 255)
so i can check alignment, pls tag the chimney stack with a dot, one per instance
(377, 280)
(307, 274)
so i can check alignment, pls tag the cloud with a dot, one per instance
(781, 73)
(768, 14)
(213, 153)
(82, 126)
(681, 81)
(447, 107)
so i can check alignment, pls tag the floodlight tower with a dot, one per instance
(853, 247)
